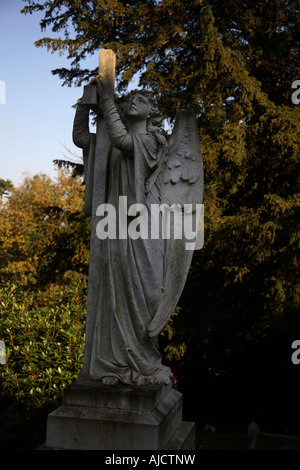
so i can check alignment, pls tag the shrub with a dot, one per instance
(44, 344)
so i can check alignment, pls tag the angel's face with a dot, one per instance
(137, 107)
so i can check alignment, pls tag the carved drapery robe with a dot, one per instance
(127, 274)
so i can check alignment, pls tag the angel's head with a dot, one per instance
(140, 105)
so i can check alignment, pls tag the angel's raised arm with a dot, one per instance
(119, 136)
(81, 133)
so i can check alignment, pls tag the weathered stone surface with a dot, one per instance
(183, 438)
(92, 393)
(99, 418)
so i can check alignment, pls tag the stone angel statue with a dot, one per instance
(134, 282)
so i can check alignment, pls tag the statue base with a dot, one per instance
(98, 417)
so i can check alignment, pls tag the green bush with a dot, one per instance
(44, 343)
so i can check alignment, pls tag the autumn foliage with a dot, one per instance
(43, 234)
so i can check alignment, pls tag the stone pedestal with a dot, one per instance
(98, 417)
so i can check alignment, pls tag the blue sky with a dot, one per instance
(37, 117)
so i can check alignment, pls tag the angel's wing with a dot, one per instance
(182, 184)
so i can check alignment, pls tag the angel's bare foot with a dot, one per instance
(109, 380)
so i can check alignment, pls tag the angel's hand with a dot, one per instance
(101, 90)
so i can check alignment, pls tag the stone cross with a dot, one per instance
(107, 62)
(107, 73)
(99, 161)
(95, 184)
(107, 65)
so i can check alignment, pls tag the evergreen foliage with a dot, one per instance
(45, 342)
